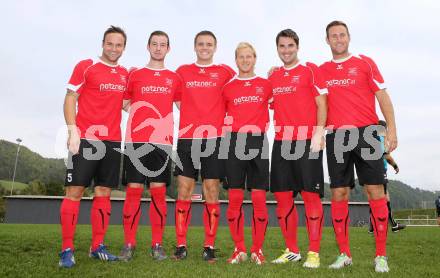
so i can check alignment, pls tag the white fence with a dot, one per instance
(418, 221)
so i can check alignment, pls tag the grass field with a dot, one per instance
(31, 250)
(17, 185)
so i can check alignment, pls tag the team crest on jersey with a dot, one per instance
(259, 90)
(353, 71)
(169, 82)
(123, 78)
(156, 73)
(113, 70)
(339, 67)
(295, 79)
(247, 84)
(202, 70)
(214, 75)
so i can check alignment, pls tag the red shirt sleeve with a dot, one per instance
(178, 89)
(230, 71)
(375, 79)
(128, 94)
(78, 77)
(318, 80)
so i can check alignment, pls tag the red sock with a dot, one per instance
(314, 219)
(183, 218)
(69, 212)
(287, 219)
(259, 221)
(131, 214)
(235, 217)
(211, 217)
(100, 217)
(158, 213)
(341, 220)
(379, 217)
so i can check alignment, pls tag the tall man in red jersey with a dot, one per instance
(300, 111)
(151, 91)
(246, 99)
(97, 86)
(354, 82)
(201, 120)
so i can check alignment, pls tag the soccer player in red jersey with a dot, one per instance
(354, 83)
(151, 91)
(300, 111)
(246, 100)
(201, 120)
(96, 88)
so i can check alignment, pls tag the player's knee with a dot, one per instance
(74, 193)
(375, 192)
(102, 191)
(340, 194)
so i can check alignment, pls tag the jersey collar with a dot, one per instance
(203, 66)
(343, 59)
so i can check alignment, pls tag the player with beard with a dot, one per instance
(300, 111)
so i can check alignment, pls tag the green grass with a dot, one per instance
(31, 250)
(17, 185)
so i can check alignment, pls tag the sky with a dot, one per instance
(43, 40)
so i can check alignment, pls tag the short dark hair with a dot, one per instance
(115, 29)
(159, 33)
(382, 123)
(205, 33)
(289, 33)
(336, 23)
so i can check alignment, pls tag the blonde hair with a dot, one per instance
(243, 45)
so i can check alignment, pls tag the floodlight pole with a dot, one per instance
(15, 166)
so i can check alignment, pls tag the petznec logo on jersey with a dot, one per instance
(155, 90)
(111, 87)
(340, 82)
(200, 84)
(283, 90)
(247, 99)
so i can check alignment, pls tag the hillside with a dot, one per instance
(30, 166)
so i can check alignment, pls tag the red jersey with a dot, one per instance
(246, 101)
(202, 110)
(294, 91)
(352, 83)
(100, 87)
(151, 93)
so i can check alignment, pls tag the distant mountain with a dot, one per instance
(32, 166)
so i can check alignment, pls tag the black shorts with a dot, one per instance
(363, 151)
(145, 163)
(199, 155)
(99, 161)
(295, 168)
(247, 165)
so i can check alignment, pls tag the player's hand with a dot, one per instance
(271, 70)
(396, 169)
(390, 141)
(73, 141)
(317, 142)
(228, 120)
